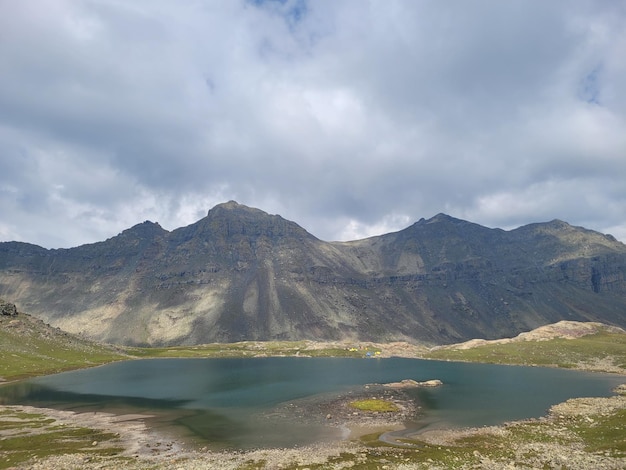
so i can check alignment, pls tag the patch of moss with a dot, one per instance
(529, 431)
(380, 406)
(603, 433)
(19, 449)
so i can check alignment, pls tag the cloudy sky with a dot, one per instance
(349, 117)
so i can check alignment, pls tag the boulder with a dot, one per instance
(7, 309)
(409, 383)
(430, 383)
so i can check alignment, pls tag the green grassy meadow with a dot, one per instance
(600, 351)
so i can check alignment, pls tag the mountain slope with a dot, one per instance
(30, 347)
(242, 274)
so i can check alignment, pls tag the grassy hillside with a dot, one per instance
(603, 350)
(30, 347)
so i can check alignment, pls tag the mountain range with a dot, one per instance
(242, 274)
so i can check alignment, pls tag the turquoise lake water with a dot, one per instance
(223, 401)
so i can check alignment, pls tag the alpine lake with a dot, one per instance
(245, 403)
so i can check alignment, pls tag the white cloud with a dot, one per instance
(337, 115)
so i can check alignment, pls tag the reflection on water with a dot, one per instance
(226, 401)
(29, 393)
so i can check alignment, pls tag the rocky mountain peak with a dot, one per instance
(234, 219)
(441, 217)
(232, 205)
(559, 236)
(146, 229)
(232, 209)
(445, 224)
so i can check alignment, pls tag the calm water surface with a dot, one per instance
(223, 400)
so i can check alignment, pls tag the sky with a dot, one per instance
(352, 118)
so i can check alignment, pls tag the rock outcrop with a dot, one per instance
(7, 309)
(410, 383)
(563, 329)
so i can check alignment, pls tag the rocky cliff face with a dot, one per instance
(240, 274)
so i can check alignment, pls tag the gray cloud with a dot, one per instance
(351, 118)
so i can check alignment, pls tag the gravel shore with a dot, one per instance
(558, 440)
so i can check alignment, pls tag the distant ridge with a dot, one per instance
(242, 274)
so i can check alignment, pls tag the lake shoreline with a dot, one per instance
(145, 448)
